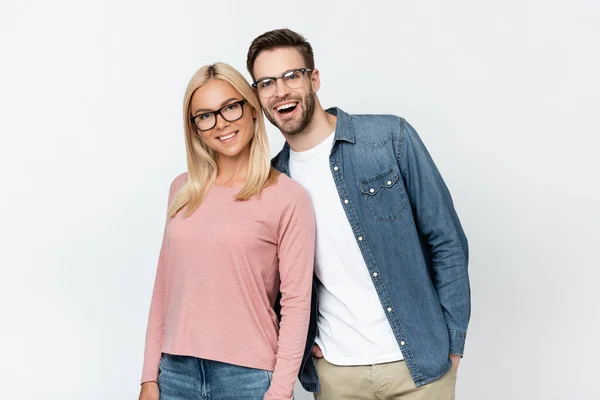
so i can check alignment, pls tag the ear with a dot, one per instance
(315, 80)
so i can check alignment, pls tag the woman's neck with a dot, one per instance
(232, 171)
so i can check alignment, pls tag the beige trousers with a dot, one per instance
(388, 381)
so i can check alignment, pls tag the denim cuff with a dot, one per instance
(457, 342)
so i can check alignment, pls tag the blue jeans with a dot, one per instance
(191, 378)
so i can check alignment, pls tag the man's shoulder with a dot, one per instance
(371, 121)
(377, 129)
(275, 161)
(374, 118)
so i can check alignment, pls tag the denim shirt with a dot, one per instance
(411, 240)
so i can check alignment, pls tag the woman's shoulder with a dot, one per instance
(285, 184)
(289, 191)
(178, 183)
(179, 180)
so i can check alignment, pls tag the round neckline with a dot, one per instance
(219, 187)
(306, 154)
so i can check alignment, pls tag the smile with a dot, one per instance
(228, 136)
(286, 108)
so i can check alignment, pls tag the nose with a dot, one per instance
(281, 88)
(221, 123)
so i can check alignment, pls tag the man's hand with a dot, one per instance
(149, 391)
(317, 351)
(455, 361)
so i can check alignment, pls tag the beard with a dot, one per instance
(293, 126)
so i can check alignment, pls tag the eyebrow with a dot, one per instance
(229, 100)
(273, 77)
(263, 78)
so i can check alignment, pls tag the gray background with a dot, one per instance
(504, 94)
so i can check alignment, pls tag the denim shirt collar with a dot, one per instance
(344, 131)
(343, 126)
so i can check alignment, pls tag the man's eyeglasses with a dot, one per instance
(230, 112)
(292, 78)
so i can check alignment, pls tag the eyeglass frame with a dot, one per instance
(216, 113)
(275, 78)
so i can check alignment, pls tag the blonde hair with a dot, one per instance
(201, 159)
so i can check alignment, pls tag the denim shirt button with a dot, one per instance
(389, 183)
(360, 238)
(389, 309)
(375, 274)
(335, 168)
(372, 190)
(402, 343)
(346, 201)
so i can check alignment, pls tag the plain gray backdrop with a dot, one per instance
(504, 94)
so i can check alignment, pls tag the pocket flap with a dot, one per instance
(372, 185)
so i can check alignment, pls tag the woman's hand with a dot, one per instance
(149, 391)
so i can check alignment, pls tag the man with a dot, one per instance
(391, 258)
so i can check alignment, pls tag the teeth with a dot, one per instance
(227, 136)
(286, 106)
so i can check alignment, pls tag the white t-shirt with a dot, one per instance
(353, 328)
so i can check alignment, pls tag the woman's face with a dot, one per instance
(227, 133)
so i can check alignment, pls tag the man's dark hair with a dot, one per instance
(279, 38)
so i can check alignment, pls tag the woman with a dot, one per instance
(237, 234)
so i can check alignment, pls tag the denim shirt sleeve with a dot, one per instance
(440, 231)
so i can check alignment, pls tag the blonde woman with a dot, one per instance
(237, 234)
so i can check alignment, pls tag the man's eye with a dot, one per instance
(265, 84)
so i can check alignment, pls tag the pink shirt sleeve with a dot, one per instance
(296, 251)
(155, 329)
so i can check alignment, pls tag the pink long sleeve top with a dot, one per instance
(218, 276)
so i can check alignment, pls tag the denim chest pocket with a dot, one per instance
(385, 195)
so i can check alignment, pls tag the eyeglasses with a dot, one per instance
(230, 112)
(292, 78)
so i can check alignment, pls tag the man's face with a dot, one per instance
(289, 109)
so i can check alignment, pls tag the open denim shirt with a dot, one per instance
(412, 241)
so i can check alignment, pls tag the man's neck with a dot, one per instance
(320, 127)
